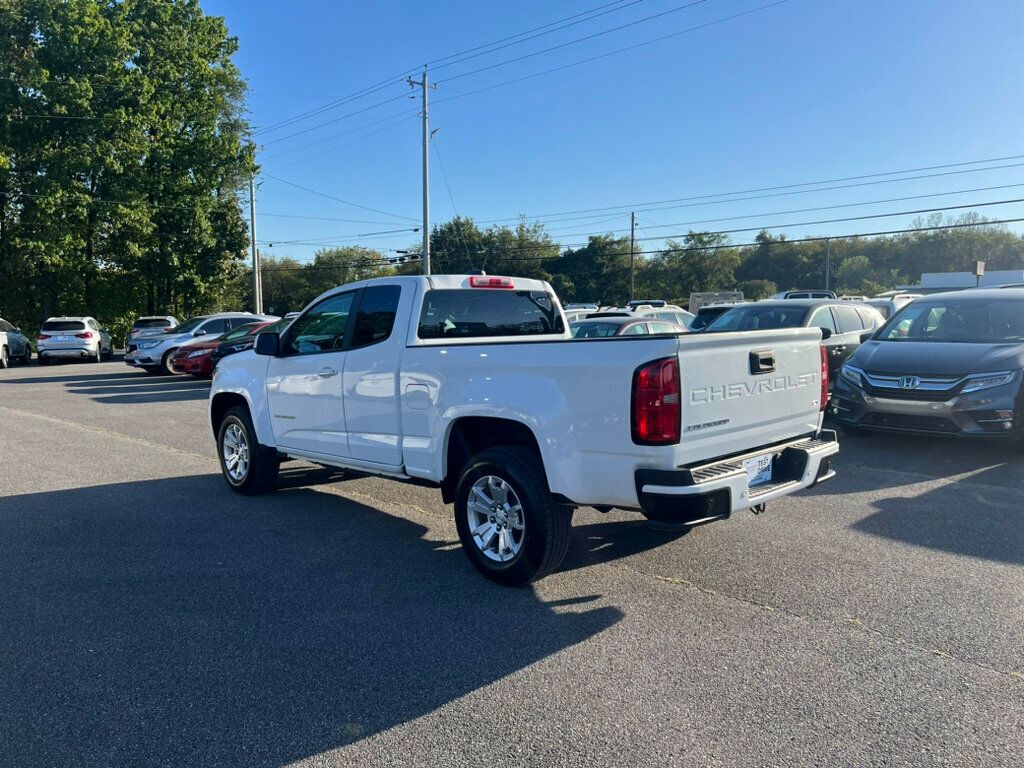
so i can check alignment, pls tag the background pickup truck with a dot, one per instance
(473, 384)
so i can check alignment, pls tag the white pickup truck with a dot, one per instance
(472, 384)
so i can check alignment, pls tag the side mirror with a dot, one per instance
(826, 333)
(268, 344)
(866, 336)
(199, 332)
(18, 331)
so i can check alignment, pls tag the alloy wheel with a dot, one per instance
(235, 450)
(496, 519)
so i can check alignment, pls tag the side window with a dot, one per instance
(822, 318)
(321, 329)
(5, 327)
(640, 329)
(215, 327)
(376, 315)
(847, 318)
(663, 328)
(867, 318)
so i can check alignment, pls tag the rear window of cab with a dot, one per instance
(483, 313)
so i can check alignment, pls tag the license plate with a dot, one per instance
(63, 338)
(759, 470)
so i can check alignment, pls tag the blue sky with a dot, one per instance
(801, 91)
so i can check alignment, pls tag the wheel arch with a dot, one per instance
(468, 435)
(221, 403)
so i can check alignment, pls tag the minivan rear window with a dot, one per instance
(63, 325)
(480, 313)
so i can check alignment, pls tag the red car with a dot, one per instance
(197, 359)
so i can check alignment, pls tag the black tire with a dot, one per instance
(27, 357)
(262, 473)
(110, 352)
(547, 524)
(165, 362)
(5, 358)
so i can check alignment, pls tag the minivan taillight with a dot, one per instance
(657, 406)
(824, 377)
(86, 335)
(42, 337)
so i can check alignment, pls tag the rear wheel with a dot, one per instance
(248, 467)
(27, 357)
(509, 524)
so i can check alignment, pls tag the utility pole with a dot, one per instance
(632, 255)
(828, 261)
(425, 86)
(257, 280)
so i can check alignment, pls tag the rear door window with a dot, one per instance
(822, 318)
(640, 329)
(215, 327)
(376, 315)
(847, 319)
(482, 313)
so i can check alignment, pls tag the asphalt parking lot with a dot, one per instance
(148, 616)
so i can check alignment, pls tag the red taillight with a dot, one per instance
(86, 335)
(483, 281)
(42, 337)
(824, 377)
(657, 407)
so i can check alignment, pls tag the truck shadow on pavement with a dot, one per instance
(129, 387)
(992, 529)
(172, 622)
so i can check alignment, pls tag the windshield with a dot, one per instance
(958, 321)
(593, 330)
(755, 318)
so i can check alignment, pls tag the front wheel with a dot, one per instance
(509, 525)
(248, 467)
(166, 363)
(5, 358)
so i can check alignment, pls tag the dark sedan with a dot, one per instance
(843, 322)
(947, 364)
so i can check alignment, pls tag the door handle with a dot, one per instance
(326, 373)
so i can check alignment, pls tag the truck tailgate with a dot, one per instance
(745, 390)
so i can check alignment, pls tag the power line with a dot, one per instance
(627, 206)
(614, 52)
(399, 78)
(403, 114)
(783, 225)
(576, 41)
(336, 147)
(818, 239)
(335, 120)
(653, 225)
(336, 199)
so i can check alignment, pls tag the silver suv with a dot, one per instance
(74, 338)
(149, 325)
(154, 353)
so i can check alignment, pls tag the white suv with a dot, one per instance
(154, 354)
(75, 338)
